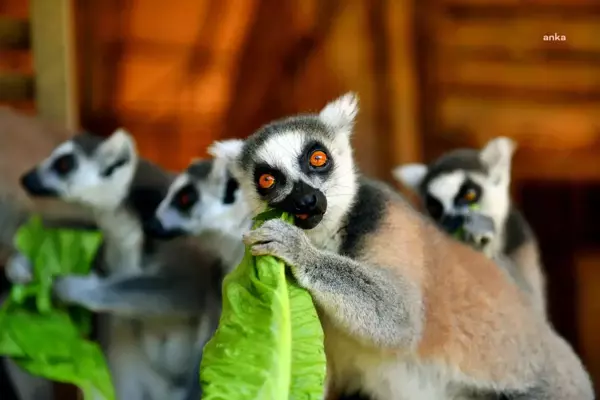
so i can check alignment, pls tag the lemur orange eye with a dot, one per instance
(266, 181)
(471, 195)
(318, 158)
(184, 199)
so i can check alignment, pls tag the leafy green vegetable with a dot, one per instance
(45, 340)
(269, 344)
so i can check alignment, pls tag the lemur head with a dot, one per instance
(462, 178)
(86, 169)
(205, 197)
(302, 165)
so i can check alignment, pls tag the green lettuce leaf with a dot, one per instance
(269, 343)
(48, 340)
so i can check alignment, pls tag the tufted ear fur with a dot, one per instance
(227, 150)
(341, 113)
(410, 175)
(118, 149)
(226, 153)
(497, 155)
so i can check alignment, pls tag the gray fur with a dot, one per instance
(88, 143)
(304, 123)
(347, 284)
(459, 159)
(374, 316)
(158, 301)
(200, 169)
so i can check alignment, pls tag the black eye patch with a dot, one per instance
(64, 164)
(230, 188)
(469, 193)
(434, 207)
(145, 201)
(114, 166)
(185, 198)
(262, 169)
(305, 159)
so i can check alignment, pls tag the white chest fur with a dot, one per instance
(123, 238)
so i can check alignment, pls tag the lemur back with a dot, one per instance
(407, 312)
(463, 178)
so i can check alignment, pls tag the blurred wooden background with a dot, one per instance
(432, 75)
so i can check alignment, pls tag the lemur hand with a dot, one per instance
(282, 240)
(19, 269)
(76, 289)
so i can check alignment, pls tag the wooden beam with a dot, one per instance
(403, 82)
(14, 33)
(15, 87)
(532, 125)
(53, 48)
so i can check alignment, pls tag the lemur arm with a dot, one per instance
(139, 295)
(367, 301)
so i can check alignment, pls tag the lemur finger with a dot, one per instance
(19, 269)
(259, 235)
(265, 249)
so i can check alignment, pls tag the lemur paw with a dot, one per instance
(72, 289)
(279, 239)
(19, 269)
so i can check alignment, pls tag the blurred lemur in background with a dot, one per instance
(205, 201)
(451, 185)
(160, 299)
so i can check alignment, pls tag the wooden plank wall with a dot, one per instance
(16, 62)
(182, 76)
(490, 72)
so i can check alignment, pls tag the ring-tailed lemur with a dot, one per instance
(407, 312)
(462, 178)
(156, 292)
(204, 201)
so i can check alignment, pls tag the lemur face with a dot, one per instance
(202, 198)
(86, 169)
(302, 165)
(450, 186)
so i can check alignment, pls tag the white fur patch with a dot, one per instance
(341, 112)
(228, 150)
(410, 175)
(497, 155)
(445, 188)
(282, 152)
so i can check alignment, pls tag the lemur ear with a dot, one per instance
(410, 175)
(118, 148)
(341, 113)
(226, 150)
(497, 155)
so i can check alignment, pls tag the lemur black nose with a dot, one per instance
(31, 182)
(306, 203)
(154, 228)
(451, 223)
